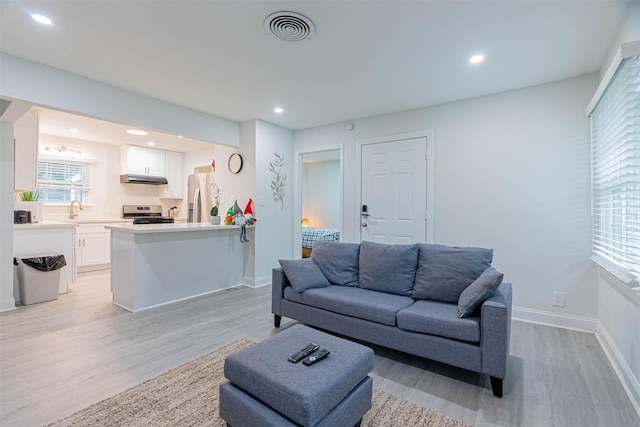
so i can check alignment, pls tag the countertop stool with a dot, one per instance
(265, 389)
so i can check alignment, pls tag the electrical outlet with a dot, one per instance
(558, 299)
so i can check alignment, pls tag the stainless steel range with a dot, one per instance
(145, 214)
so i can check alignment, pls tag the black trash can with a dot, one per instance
(39, 277)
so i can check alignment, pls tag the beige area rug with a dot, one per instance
(188, 396)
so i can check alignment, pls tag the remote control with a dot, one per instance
(316, 357)
(304, 353)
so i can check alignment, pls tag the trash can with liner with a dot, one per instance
(39, 277)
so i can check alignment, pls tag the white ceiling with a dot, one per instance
(366, 57)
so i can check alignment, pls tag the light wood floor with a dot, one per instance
(61, 356)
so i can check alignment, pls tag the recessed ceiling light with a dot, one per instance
(74, 130)
(278, 110)
(179, 136)
(151, 143)
(41, 19)
(137, 132)
(475, 59)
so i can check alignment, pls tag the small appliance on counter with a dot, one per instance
(145, 214)
(21, 217)
(34, 208)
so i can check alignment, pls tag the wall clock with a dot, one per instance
(235, 163)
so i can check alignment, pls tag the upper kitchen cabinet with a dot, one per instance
(173, 173)
(142, 161)
(25, 131)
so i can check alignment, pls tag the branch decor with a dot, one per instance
(279, 178)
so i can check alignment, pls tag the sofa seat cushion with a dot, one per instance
(369, 305)
(438, 318)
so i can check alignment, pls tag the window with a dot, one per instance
(615, 139)
(60, 181)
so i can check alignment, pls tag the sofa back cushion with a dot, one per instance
(388, 268)
(303, 274)
(337, 261)
(445, 271)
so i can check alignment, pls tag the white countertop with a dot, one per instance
(170, 228)
(44, 224)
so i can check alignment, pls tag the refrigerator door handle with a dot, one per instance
(197, 214)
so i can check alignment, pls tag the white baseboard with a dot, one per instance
(7, 304)
(629, 382)
(553, 319)
(256, 282)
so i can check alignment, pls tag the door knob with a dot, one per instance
(364, 224)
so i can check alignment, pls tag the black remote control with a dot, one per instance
(304, 352)
(316, 357)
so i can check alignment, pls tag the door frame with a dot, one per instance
(427, 133)
(297, 189)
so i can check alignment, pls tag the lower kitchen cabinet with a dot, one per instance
(93, 248)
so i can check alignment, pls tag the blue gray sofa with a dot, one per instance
(438, 302)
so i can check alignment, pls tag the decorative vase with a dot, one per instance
(215, 220)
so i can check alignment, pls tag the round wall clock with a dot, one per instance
(235, 163)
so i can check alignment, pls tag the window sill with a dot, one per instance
(624, 283)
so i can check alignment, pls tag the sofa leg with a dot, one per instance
(496, 385)
(276, 320)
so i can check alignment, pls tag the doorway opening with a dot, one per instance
(319, 212)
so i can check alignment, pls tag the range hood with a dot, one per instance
(143, 179)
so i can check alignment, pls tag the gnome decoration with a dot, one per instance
(239, 219)
(248, 213)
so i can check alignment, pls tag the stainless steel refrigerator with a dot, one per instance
(199, 199)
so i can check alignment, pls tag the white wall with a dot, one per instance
(274, 229)
(109, 194)
(321, 193)
(51, 87)
(512, 172)
(629, 31)
(6, 217)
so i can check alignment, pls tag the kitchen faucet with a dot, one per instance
(72, 214)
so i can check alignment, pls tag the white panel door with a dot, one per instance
(394, 191)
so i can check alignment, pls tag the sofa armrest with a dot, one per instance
(495, 335)
(278, 282)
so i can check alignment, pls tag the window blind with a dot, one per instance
(61, 181)
(615, 134)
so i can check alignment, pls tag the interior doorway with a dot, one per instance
(319, 212)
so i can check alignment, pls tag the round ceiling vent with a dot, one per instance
(289, 26)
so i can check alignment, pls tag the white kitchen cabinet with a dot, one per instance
(142, 161)
(25, 131)
(93, 247)
(173, 172)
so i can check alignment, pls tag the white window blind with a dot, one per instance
(61, 180)
(615, 133)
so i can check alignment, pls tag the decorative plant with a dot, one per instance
(279, 178)
(30, 196)
(214, 211)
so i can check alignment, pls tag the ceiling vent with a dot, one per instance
(289, 26)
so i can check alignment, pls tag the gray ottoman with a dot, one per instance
(265, 389)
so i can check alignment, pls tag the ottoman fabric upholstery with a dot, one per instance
(303, 394)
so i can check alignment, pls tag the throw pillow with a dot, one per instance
(388, 268)
(303, 274)
(478, 291)
(445, 271)
(338, 261)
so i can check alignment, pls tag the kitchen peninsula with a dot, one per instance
(157, 264)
